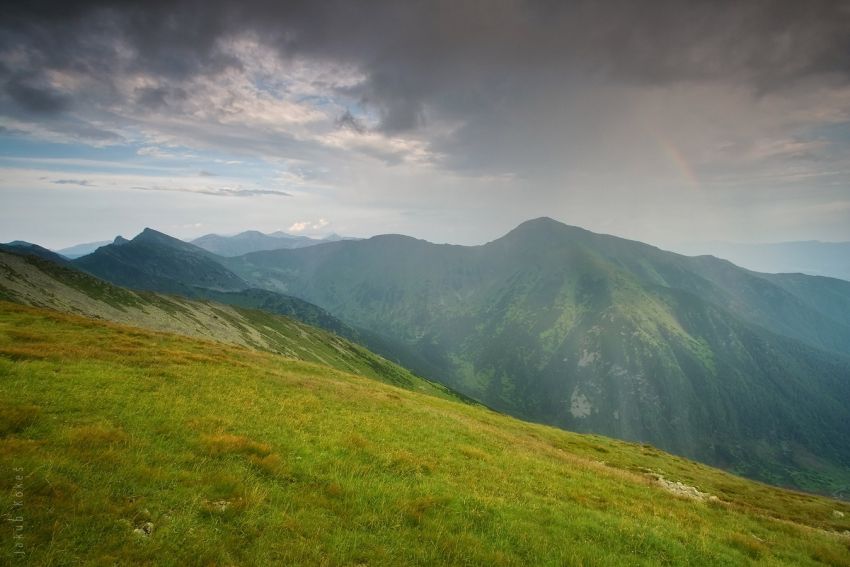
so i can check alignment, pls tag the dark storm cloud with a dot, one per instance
(498, 73)
(38, 100)
(159, 97)
(445, 54)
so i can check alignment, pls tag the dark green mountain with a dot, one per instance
(596, 333)
(153, 261)
(157, 262)
(30, 249)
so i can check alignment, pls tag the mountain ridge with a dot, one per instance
(254, 240)
(155, 261)
(811, 257)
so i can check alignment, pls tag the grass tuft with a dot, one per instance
(16, 418)
(96, 436)
(226, 444)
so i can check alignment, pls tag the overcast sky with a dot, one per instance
(446, 120)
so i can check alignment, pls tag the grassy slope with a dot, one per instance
(242, 457)
(32, 281)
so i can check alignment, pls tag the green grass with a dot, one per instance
(239, 457)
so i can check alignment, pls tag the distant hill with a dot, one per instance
(35, 282)
(144, 448)
(253, 241)
(30, 249)
(157, 262)
(153, 261)
(831, 259)
(595, 333)
(82, 249)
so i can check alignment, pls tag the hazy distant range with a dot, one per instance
(228, 246)
(807, 257)
(810, 257)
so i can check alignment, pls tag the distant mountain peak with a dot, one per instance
(154, 236)
(120, 241)
(547, 223)
(542, 229)
(147, 231)
(541, 221)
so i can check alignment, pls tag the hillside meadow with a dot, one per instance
(140, 447)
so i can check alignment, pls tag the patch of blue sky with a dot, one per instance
(837, 132)
(277, 87)
(19, 152)
(23, 147)
(320, 101)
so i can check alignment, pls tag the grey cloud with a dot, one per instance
(90, 132)
(159, 97)
(347, 120)
(388, 157)
(501, 72)
(414, 51)
(36, 99)
(79, 182)
(216, 191)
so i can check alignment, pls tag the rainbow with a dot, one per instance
(678, 159)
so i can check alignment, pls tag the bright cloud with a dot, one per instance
(303, 226)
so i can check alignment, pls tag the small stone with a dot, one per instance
(680, 489)
(145, 530)
(837, 514)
